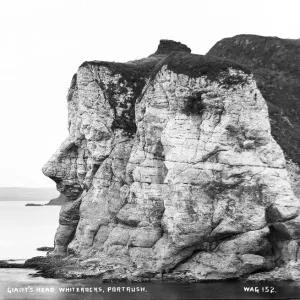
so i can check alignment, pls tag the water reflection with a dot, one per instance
(19, 284)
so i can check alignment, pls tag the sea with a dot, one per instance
(25, 228)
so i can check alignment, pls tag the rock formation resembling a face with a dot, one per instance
(91, 140)
(91, 117)
(184, 170)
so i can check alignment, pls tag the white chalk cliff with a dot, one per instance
(170, 168)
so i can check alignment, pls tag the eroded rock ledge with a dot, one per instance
(170, 169)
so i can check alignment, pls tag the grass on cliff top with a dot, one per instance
(194, 65)
(261, 52)
(130, 71)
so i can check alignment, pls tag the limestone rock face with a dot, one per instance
(170, 167)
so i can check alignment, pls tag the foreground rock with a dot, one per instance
(289, 272)
(170, 169)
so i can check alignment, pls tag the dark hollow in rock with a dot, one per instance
(194, 104)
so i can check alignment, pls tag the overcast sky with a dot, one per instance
(43, 42)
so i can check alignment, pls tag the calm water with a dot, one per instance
(23, 229)
(12, 281)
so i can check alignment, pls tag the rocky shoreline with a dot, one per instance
(10, 264)
(72, 267)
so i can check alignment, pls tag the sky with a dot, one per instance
(43, 43)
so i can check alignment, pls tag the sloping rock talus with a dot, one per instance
(170, 168)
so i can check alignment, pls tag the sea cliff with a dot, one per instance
(171, 171)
